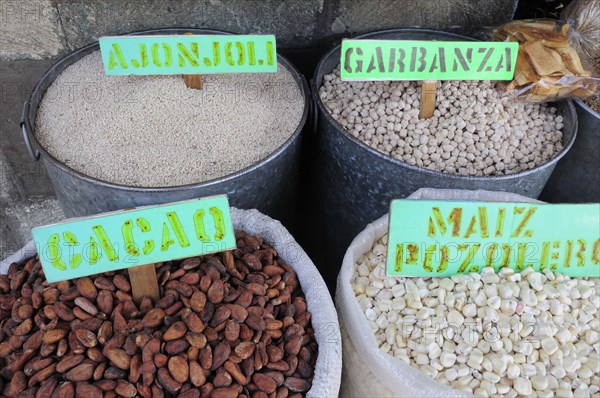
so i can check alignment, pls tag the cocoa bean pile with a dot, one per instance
(229, 324)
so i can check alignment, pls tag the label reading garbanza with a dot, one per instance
(427, 60)
(123, 239)
(188, 54)
(444, 238)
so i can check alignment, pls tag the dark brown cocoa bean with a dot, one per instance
(160, 360)
(105, 332)
(165, 379)
(198, 301)
(176, 346)
(245, 349)
(256, 322)
(232, 331)
(86, 390)
(125, 389)
(222, 378)
(274, 353)
(82, 372)
(134, 368)
(88, 339)
(151, 348)
(37, 364)
(95, 354)
(18, 382)
(99, 371)
(63, 312)
(64, 390)
(206, 357)
(190, 394)
(118, 358)
(264, 383)
(130, 347)
(296, 384)
(69, 362)
(221, 354)
(114, 373)
(235, 372)
(47, 388)
(179, 368)
(176, 331)
(86, 288)
(121, 283)
(216, 292)
(106, 385)
(196, 340)
(194, 323)
(197, 376)
(221, 314)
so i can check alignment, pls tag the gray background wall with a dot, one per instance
(34, 34)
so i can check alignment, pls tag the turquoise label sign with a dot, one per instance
(427, 60)
(188, 54)
(129, 238)
(444, 238)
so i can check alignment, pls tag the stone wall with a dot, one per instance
(40, 29)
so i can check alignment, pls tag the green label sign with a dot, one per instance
(129, 238)
(188, 54)
(427, 60)
(444, 238)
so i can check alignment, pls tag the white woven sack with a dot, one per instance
(368, 371)
(328, 369)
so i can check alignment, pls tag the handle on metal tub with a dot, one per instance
(314, 110)
(35, 154)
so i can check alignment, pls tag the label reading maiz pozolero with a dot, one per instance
(444, 238)
(188, 54)
(427, 60)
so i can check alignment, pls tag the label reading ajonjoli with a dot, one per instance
(124, 239)
(443, 238)
(427, 60)
(188, 54)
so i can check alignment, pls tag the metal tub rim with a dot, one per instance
(36, 150)
(586, 107)
(325, 113)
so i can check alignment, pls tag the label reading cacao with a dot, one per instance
(123, 239)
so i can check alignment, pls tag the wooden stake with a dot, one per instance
(144, 282)
(428, 92)
(193, 81)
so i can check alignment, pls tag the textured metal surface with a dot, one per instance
(269, 185)
(576, 178)
(356, 183)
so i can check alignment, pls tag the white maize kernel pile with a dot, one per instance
(506, 334)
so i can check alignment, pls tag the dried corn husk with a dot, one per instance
(548, 66)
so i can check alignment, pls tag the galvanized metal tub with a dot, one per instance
(269, 185)
(355, 183)
(576, 178)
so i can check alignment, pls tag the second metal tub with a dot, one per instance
(355, 183)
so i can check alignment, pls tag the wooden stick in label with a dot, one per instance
(193, 81)
(144, 282)
(428, 93)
